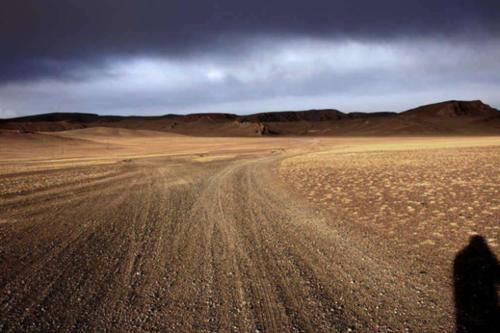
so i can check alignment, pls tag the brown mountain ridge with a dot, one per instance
(445, 118)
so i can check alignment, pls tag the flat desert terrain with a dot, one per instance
(106, 229)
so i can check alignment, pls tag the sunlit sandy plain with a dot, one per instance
(123, 230)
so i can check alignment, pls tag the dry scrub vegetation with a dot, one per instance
(116, 230)
(417, 206)
(432, 198)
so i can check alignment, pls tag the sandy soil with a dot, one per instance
(416, 207)
(144, 232)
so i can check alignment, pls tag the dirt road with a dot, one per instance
(180, 246)
(207, 243)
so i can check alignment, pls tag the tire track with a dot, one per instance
(186, 246)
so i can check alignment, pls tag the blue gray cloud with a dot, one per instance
(156, 57)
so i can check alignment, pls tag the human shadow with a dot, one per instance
(476, 275)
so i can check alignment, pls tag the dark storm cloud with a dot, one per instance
(53, 37)
(166, 56)
(296, 73)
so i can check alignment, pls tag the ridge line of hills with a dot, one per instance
(448, 118)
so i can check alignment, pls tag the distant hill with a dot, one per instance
(288, 116)
(445, 118)
(453, 109)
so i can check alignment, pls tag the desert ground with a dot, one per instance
(106, 229)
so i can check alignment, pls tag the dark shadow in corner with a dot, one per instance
(476, 274)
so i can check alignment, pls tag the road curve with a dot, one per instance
(176, 246)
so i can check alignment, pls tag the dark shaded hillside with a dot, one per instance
(445, 118)
(289, 116)
(450, 109)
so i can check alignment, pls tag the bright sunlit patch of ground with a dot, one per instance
(428, 195)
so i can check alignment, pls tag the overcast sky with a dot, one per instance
(180, 56)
